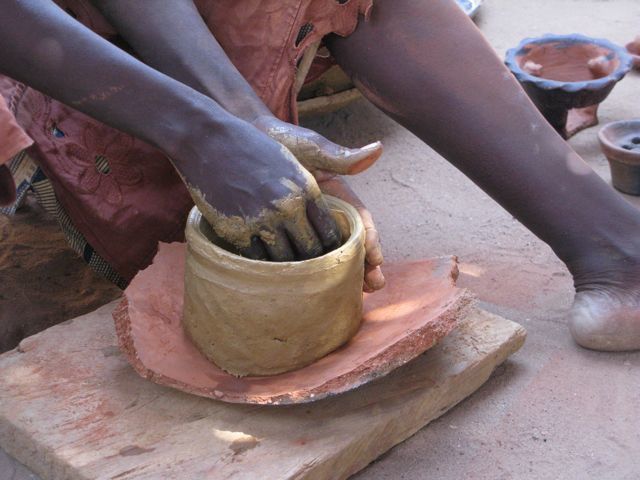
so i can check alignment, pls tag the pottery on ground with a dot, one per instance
(264, 318)
(620, 142)
(634, 50)
(567, 76)
(470, 7)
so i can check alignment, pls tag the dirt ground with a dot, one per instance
(554, 411)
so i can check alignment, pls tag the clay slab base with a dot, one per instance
(71, 407)
(417, 308)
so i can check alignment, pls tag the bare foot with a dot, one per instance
(607, 317)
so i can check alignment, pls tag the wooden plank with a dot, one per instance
(72, 407)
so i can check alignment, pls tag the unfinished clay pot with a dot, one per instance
(264, 318)
(567, 76)
(620, 142)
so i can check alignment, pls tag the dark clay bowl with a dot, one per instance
(568, 73)
(620, 142)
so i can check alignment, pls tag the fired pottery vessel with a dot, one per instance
(620, 142)
(567, 76)
(634, 50)
(264, 318)
(470, 7)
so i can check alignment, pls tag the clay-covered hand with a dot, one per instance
(337, 187)
(325, 160)
(314, 151)
(256, 195)
(7, 186)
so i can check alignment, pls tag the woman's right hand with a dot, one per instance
(256, 195)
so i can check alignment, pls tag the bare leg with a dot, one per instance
(428, 66)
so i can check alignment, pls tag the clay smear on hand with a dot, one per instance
(315, 153)
(238, 230)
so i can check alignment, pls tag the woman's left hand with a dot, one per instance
(336, 186)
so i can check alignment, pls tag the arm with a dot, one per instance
(233, 170)
(165, 40)
(174, 39)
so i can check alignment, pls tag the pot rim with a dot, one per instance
(196, 239)
(606, 143)
(548, 84)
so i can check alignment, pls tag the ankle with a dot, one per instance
(609, 268)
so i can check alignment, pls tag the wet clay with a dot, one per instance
(418, 307)
(568, 63)
(263, 318)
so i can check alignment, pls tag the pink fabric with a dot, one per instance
(123, 213)
(13, 138)
(141, 200)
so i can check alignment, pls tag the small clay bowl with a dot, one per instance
(260, 318)
(620, 142)
(567, 76)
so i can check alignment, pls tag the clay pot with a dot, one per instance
(264, 318)
(634, 50)
(620, 142)
(567, 76)
(470, 7)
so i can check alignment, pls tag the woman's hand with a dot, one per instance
(256, 195)
(325, 160)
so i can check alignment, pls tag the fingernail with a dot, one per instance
(372, 146)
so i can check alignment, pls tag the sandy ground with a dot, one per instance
(554, 411)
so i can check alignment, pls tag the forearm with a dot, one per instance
(174, 39)
(48, 50)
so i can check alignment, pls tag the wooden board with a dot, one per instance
(71, 407)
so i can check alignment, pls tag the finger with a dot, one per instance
(7, 186)
(319, 153)
(373, 278)
(304, 239)
(278, 246)
(372, 246)
(316, 152)
(255, 251)
(325, 225)
(338, 188)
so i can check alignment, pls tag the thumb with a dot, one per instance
(322, 154)
(315, 152)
